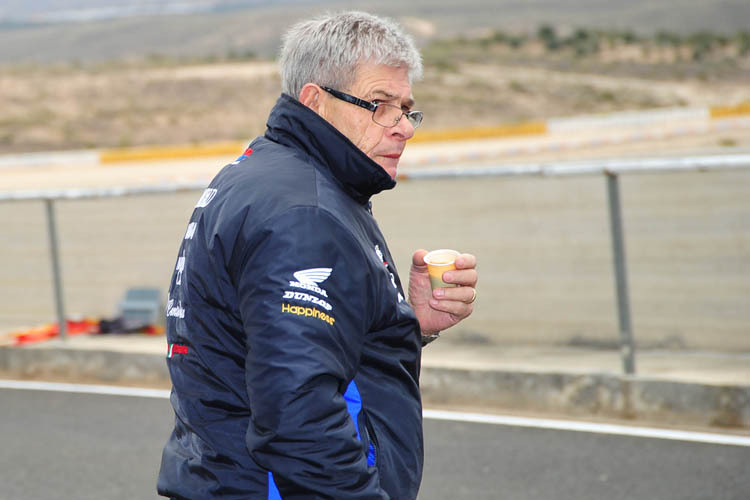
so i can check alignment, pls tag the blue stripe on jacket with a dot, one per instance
(354, 406)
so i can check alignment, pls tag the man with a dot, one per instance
(293, 352)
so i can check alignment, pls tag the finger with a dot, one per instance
(466, 261)
(465, 277)
(463, 294)
(456, 308)
(417, 259)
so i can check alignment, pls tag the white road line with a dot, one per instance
(110, 390)
(568, 425)
(478, 418)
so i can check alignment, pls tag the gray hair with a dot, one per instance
(326, 50)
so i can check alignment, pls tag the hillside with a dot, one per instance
(34, 31)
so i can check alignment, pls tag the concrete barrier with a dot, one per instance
(590, 395)
(86, 157)
(103, 366)
(628, 119)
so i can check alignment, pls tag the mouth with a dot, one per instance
(394, 156)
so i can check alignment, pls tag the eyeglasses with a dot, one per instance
(385, 115)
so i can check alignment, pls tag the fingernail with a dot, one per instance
(433, 302)
(447, 276)
(438, 292)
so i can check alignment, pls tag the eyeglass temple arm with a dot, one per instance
(370, 106)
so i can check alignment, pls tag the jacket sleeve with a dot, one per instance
(304, 294)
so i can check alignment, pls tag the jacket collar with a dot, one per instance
(294, 124)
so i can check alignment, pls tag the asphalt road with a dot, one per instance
(59, 445)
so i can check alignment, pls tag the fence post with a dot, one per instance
(627, 348)
(56, 273)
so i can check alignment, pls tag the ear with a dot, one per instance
(310, 96)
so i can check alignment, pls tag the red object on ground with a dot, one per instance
(153, 330)
(51, 330)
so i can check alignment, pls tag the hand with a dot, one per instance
(444, 307)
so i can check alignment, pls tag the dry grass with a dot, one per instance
(47, 108)
(160, 101)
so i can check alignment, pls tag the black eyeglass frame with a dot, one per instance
(414, 117)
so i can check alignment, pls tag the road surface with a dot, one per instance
(62, 445)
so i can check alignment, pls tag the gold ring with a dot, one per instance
(473, 297)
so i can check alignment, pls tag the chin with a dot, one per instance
(390, 166)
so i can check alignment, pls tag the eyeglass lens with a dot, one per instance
(388, 115)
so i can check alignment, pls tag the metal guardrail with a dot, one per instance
(601, 167)
(611, 169)
(106, 192)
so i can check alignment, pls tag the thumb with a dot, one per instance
(417, 260)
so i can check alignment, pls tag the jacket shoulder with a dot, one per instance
(273, 176)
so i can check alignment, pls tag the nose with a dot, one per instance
(403, 129)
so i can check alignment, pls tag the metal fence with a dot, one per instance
(611, 170)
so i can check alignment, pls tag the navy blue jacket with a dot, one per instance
(293, 354)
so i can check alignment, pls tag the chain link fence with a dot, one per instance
(542, 234)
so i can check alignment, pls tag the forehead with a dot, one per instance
(381, 81)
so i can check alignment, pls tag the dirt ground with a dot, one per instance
(49, 108)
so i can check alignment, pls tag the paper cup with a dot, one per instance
(438, 262)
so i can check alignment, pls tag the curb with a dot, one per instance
(600, 395)
(101, 365)
(153, 153)
(498, 132)
(575, 395)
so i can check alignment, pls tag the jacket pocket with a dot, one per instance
(372, 445)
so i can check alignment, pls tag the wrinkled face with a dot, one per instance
(375, 83)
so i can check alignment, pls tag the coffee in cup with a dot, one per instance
(438, 262)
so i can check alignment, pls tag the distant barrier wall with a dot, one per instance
(699, 118)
